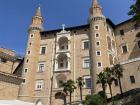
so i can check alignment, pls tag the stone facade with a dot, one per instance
(8, 60)
(59, 55)
(9, 86)
(63, 54)
(9, 82)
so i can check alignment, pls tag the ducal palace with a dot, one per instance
(68, 53)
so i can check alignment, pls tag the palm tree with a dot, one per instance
(101, 78)
(118, 73)
(110, 79)
(68, 87)
(135, 10)
(65, 90)
(80, 82)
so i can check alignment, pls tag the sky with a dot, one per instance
(16, 16)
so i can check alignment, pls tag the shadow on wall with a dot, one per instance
(136, 50)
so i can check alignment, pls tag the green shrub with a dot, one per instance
(93, 100)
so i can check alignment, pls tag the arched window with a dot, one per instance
(63, 43)
(62, 61)
(109, 42)
(60, 78)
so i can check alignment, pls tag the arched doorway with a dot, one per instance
(60, 99)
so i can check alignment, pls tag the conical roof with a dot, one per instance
(38, 12)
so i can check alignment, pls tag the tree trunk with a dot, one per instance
(103, 86)
(120, 87)
(70, 98)
(65, 100)
(110, 88)
(81, 93)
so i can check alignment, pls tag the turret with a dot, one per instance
(31, 58)
(97, 42)
(37, 21)
(96, 10)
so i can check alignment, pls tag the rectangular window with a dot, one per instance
(124, 49)
(98, 53)
(43, 50)
(25, 70)
(132, 79)
(96, 27)
(97, 44)
(122, 32)
(139, 44)
(97, 35)
(41, 67)
(86, 63)
(86, 44)
(87, 80)
(39, 84)
(99, 64)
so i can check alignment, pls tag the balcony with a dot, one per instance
(62, 51)
(63, 69)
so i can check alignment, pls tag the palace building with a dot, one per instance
(81, 51)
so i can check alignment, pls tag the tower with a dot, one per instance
(31, 59)
(99, 47)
